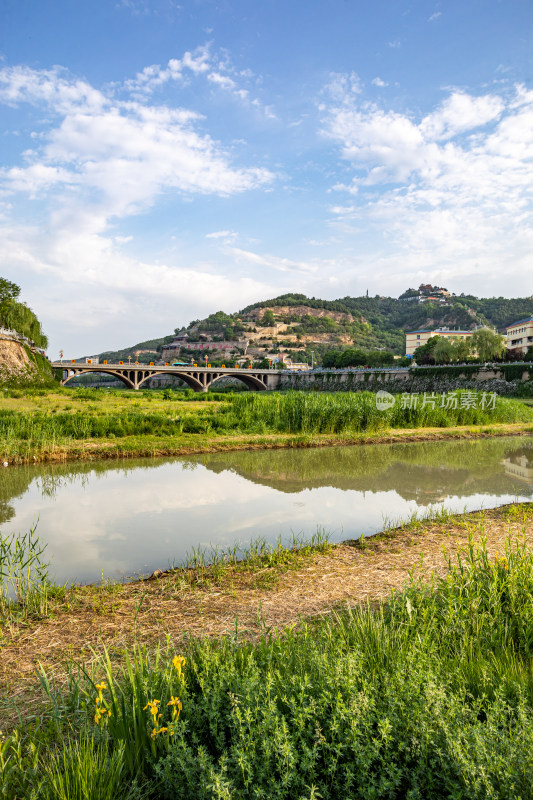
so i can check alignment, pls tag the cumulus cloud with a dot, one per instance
(452, 188)
(103, 156)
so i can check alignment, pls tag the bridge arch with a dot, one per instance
(250, 381)
(186, 377)
(115, 373)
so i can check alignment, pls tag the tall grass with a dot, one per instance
(315, 412)
(429, 695)
(303, 413)
(25, 587)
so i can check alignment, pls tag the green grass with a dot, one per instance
(31, 425)
(428, 695)
(25, 588)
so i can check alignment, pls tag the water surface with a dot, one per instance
(115, 519)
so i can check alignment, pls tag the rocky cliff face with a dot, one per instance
(20, 367)
(13, 355)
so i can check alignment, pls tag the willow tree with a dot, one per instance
(18, 316)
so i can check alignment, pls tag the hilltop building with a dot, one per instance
(426, 293)
(520, 335)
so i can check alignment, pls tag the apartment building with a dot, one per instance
(414, 339)
(520, 335)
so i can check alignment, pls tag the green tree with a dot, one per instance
(424, 353)
(444, 351)
(8, 291)
(488, 344)
(461, 349)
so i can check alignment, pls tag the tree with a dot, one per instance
(488, 344)
(461, 348)
(444, 351)
(8, 291)
(424, 353)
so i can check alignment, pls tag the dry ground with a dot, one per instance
(183, 603)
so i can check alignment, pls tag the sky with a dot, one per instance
(163, 160)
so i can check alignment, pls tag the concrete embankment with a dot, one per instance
(509, 379)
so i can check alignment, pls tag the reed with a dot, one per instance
(25, 587)
(37, 425)
(316, 412)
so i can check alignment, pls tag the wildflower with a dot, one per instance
(101, 711)
(177, 705)
(152, 705)
(178, 662)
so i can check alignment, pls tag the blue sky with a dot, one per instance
(164, 160)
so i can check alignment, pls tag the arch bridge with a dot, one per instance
(200, 379)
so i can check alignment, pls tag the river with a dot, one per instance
(118, 519)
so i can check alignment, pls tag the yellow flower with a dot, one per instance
(178, 662)
(101, 686)
(152, 705)
(177, 705)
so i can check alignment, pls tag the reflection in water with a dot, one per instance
(520, 466)
(121, 518)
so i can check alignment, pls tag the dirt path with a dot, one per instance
(150, 611)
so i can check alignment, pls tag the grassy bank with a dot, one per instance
(423, 693)
(89, 423)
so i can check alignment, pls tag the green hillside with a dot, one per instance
(297, 323)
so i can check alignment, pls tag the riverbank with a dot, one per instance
(262, 593)
(146, 446)
(88, 424)
(398, 666)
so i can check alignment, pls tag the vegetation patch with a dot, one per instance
(427, 693)
(38, 424)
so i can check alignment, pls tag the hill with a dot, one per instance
(299, 325)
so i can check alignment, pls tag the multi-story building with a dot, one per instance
(520, 335)
(414, 339)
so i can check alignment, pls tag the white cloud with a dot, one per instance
(127, 151)
(218, 72)
(451, 189)
(271, 262)
(229, 235)
(379, 82)
(435, 16)
(99, 159)
(459, 113)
